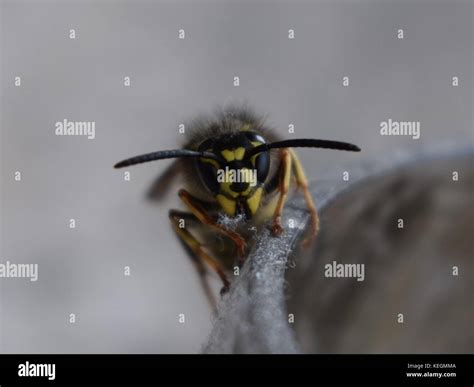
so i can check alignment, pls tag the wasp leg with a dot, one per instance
(283, 187)
(176, 216)
(302, 183)
(199, 256)
(200, 213)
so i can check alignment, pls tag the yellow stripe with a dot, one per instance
(228, 205)
(239, 153)
(236, 154)
(225, 187)
(254, 201)
(228, 155)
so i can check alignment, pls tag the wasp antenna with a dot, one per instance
(165, 154)
(304, 143)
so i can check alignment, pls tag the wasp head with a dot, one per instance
(234, 176)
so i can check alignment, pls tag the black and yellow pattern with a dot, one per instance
(236, 140)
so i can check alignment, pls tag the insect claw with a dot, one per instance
(306, 243)
(225, 289)
(277, 230)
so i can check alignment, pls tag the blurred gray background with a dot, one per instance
(293, 81)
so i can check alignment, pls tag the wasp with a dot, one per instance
(235, 167)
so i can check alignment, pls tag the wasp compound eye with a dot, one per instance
(262, 165)
(208, 173)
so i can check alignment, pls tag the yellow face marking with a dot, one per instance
(228, 155)
(254, 201)
(228, 205)
(225, 187)
(239, 153)
(231, 155)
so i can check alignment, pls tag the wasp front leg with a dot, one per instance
(200, 213)
(302, 183)
(283, 187)
(197, 254)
